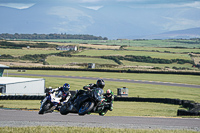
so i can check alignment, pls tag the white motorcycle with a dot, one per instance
(51, 102)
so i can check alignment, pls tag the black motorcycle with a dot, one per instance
(85, 103)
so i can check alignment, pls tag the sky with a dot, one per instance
(107, 18)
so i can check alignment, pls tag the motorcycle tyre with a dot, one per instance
(88, 109)
(45, 107)
(63, 110)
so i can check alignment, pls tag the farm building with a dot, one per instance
(22, 86)
(67, 48)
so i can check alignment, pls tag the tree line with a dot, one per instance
(51, 36)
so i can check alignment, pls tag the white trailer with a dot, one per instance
(22, 86)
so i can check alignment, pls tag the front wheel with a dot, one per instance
(86, 107)
(63, 110)
(46, 106)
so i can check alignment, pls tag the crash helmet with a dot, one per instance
(66, 87)
(100, 83)
(108, 92)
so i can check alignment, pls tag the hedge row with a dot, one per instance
(193, 109)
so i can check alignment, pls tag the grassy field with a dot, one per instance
(176, 78)
(21, 52)
(135, 43)
(132, 108)
(142, 65)
(56, 129)
(135, 89)
(136, 48)
(53, 60)
(176, 50)
(136, 53)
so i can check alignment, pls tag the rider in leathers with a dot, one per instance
(98, 88)
(65, 94)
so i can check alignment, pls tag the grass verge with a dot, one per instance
(56, 129)
(120, 108)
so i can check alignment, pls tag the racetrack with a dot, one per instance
(20, 118)
(115, 80)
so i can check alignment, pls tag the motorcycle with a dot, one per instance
(85, 103)
(51, 102)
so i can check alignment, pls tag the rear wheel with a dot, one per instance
(85, 107)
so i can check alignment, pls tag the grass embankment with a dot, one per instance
(56, 129)
(120, 108)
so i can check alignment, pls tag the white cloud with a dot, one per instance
(93, 7)
(179, 23)
(91, 0)
(71, 20)
(17, 5)
(195, 4)
(71, 14)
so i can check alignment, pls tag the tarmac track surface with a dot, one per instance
(115, 80)
(21, 118)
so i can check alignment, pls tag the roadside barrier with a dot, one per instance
(192, 108)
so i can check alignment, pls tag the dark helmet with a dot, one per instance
(66, 87)
(100, 83)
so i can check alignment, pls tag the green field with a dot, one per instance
(135, 53)
(132, 108)
(156, 49)
(176, 78)
(53, 60)
(152, 48)
(142, 65)
(57, 129)
(135, 90)
(135, 43)
(21, 52)
(148, 48)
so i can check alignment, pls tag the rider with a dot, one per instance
(65, 94)
(102, 98)
(98, 87)
(109, 97)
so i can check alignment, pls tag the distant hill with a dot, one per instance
(114, 21)
(185, 34)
